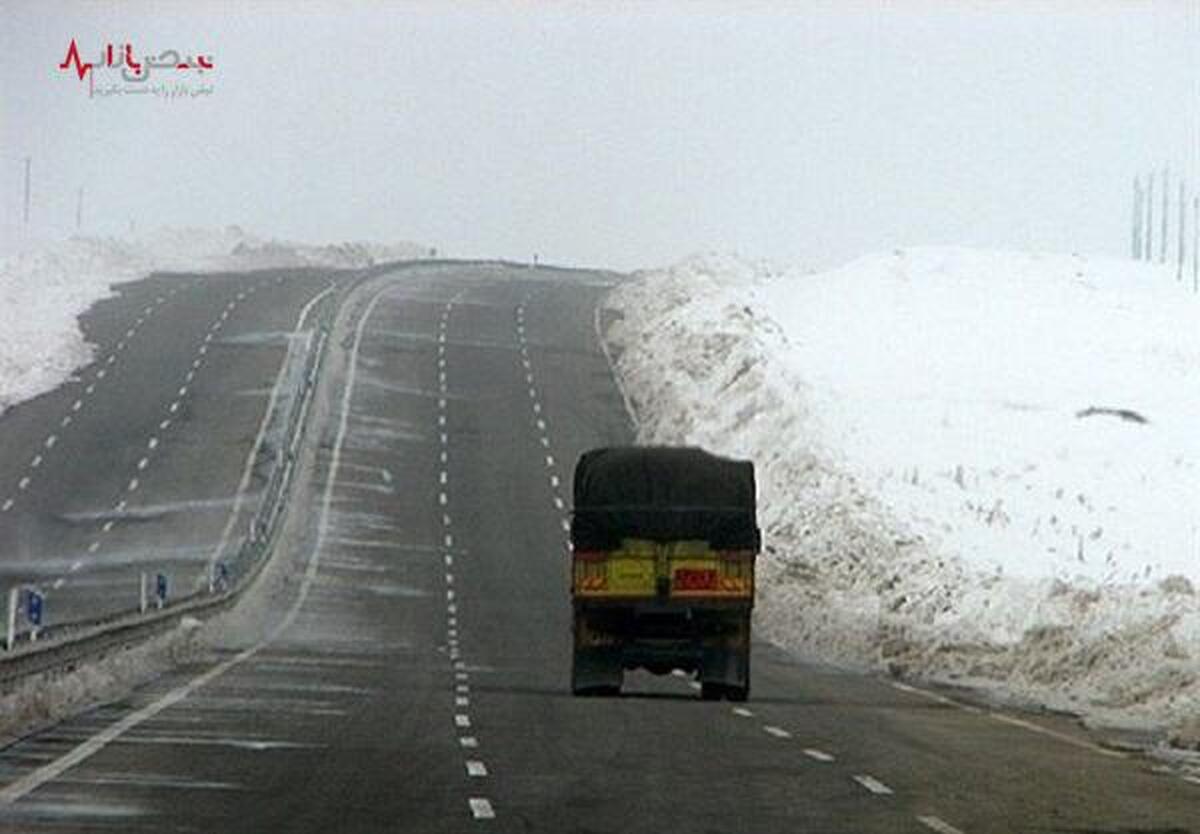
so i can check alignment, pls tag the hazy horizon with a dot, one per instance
(612, 134)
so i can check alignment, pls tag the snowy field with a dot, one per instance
(974, 467)
(43, 291)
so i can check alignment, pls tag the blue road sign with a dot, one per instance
(34, 603)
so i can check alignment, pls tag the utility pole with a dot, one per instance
(79, 211)
(1137, 218)
(1150, 218)
(1166, 207)
(1182, 229)
(28, 164)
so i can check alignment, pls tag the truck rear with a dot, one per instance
(664, 547)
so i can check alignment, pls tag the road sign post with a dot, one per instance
(160, 590)
(14, 602)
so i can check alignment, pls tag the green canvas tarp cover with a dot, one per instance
(663, 493)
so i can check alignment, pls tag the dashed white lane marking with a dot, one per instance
(112, 359)
(817, 755)
(152, 443)
(545, 441)
(443, 477)
(449, 541)
(872, 784)
(183, 390)
(462, 720)
(108, 525)
(743, 712)
(58, 583)
(93, 547)
(164, 425)
(100, 374)
(120, 507)
(462, 687)
(78, 404)
(449, 560)
(462, 701)
(476, 768)
(558, 503)
(50, 441)
(445, 456)
(66, 421)
(133, 485)
(549, 460)
(554, 481)
(541, 424)
(449, 579)
(31, 781)
(452, 608)
(445, 520)
(481, 809)
(939, 825)
(174, 407)
(23, 483)
(91, 389)
(143, 463)
(75, 566)
(778, 732)
(8, 505)
(442, 498)
(36, 462)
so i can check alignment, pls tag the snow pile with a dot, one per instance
(42, 292)
(973, 466)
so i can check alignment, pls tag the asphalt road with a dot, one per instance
(134, 464)
(416, 677)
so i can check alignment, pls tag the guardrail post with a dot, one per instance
(14, 601)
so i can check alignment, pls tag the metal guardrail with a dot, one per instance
(61, 646)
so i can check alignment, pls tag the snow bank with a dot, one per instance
(974, 466)
(42, 292)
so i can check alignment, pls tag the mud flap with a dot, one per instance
(725, 664)
(596, 671)
(596, 664)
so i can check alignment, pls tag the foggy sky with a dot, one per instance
(621, 135)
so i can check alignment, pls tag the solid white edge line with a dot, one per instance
(613, 369)
(33, 780)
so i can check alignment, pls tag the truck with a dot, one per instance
(663, 548)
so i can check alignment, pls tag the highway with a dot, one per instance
(403, 664)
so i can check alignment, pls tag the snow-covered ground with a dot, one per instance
(977, 467)
(42, 292)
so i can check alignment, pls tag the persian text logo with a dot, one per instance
(175, 76)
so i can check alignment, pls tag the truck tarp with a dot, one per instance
(663, 493)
